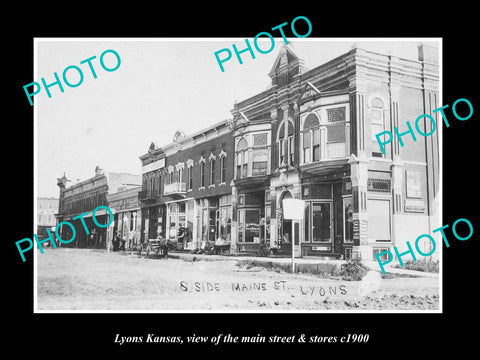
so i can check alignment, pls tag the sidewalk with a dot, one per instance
(373, 265)
(301, 265)
(310, 265)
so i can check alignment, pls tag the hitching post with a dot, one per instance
(293, 209)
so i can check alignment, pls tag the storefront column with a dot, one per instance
(234, 229)
(359, 177)
(397, 201)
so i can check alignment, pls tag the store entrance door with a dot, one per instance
(322, 226)
(288, 228)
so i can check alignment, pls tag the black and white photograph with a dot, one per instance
(225, 181)
(195, 172)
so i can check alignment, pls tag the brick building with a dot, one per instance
(311, 136)
(84, 197)
(186, 191)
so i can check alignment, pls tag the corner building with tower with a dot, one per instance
(311, 136)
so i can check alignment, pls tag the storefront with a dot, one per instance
(328, 220)
(180, 223)
(153, 220)
(253, 215)
(192, 222)
(213, 219)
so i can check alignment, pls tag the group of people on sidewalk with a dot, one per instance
(118, 243)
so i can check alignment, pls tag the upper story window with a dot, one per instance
(242, 158)
(222, 156)
(212, 169)
(285, 142)
(311, 138)
(202, 172)
(324, 137)
(179, 172)
(252, 155)
(377, 122)
(259, 163)
(260, 139)
(171, 175)
(336, 125)
(189, 174)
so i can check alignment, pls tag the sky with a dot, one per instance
(161, 86)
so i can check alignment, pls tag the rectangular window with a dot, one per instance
(337, 114)
(241, 225)
(212, 221)
(306, 146)
(252, 225)
(245, 164)
(226, 223)
(291, 150)
(239, 165)
(384, 257)
(307, 222)
(316, 145)
(260, 139)
(259, 168)
(379, 220)
(336, 133)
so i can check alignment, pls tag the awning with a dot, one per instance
(325, 168)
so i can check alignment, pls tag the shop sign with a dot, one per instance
(279, 226)
(414, 185)
(356, 229)
(124, 204)
(414, 205)
(153, 166)
(294, 209)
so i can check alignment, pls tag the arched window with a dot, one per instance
(190, 176)
(202, 172)
(285, 143)
(222, 167)
(377, 122)
(242, 158)
(212, 170)
(311, 138)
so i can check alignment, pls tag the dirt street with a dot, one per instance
(81, 279)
